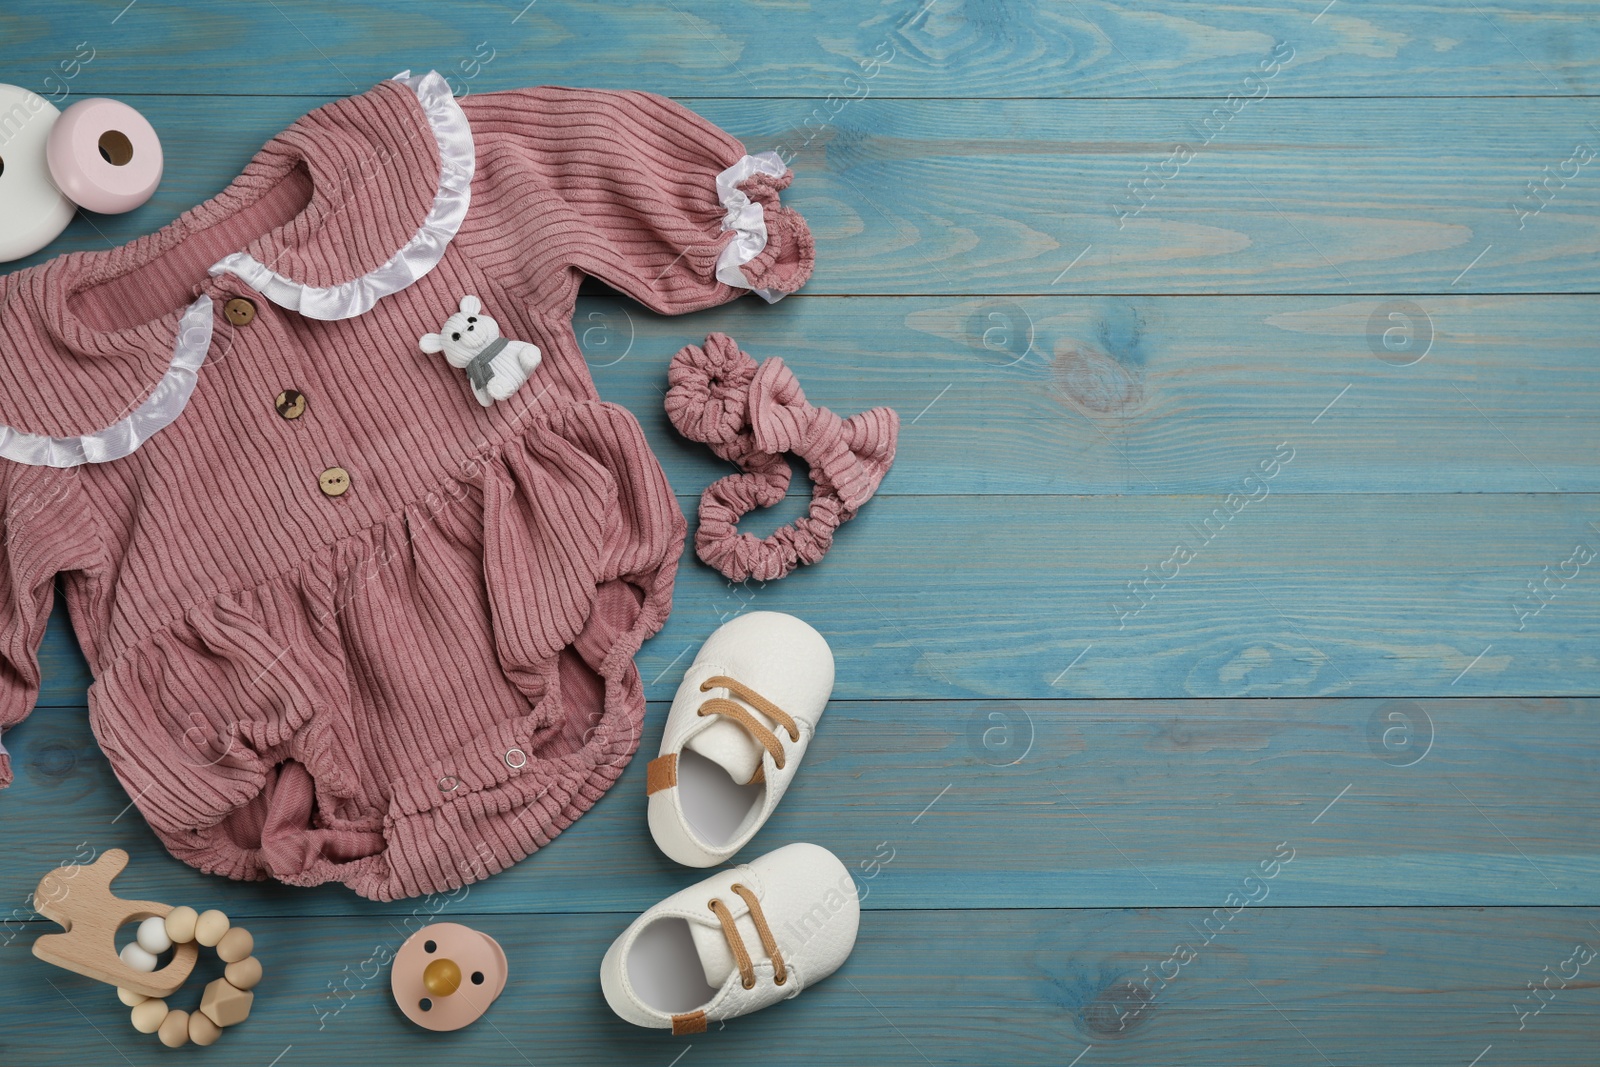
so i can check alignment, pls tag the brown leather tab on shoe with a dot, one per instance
(692, 1023)
(662, 773)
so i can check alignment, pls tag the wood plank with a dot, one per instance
(1345, 197)
(1292, 595)
(1348, 987)
(1158, 395)
(1018, 804)
(1138, 395)
(928, 597)
(1031, 196)
(1088, 48)
(1350, 673)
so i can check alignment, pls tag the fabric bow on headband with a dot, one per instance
(751, 415)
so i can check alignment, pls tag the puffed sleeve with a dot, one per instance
(634, 190)
(47, 530)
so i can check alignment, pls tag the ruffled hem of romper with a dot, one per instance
(235, 727)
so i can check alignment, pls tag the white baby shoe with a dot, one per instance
(741, 940)
(744, 714)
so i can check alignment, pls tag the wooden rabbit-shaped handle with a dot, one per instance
(80, 899)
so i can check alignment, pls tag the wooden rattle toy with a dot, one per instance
(446, 975)
(35, 211)
(80, 899)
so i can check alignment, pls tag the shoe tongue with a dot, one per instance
(729, 746)
(716, 956)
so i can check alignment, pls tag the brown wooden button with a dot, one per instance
(239, 311)
(291, 403)
(335, 481)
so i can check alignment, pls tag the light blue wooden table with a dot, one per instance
(1059, 749)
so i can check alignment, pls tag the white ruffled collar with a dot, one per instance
(418, 256)
(194, 325)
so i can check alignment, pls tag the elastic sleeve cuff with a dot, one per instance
(772, 251)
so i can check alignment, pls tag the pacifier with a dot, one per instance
(446, 975)
(98, 154)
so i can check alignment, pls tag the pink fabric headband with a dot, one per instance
(750, 415)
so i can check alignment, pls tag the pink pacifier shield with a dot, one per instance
(105, 156)
(446, 975)
(32, 211)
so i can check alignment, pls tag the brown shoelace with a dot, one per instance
(753, 726)
(747, 970)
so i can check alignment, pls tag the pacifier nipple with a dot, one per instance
(442, 977)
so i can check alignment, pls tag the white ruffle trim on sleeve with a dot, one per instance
(747, 220)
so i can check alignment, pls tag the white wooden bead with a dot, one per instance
(210, 927)
(148, 1017)
(130, 998)
(137, 958)
(153, 937)
(180, 924)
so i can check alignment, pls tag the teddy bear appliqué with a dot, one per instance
(496, 366)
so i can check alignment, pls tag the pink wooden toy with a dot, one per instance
(105, 156)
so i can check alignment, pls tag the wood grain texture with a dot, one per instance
(1344, 197)
(1014, 803)
(1149, 395)
(942, 49)
(982, 597)
(1047, 784)
(1140, 395)
(1286, 986)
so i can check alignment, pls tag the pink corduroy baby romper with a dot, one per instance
(409, 678)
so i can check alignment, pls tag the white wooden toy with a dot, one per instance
(35, 210)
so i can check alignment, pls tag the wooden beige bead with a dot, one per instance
(130, 998)
(180, 924)
(210, 927)
(202, 1031)
(174, 1031)
(235, 945)
(226, 1005)
(243, 974)
(148, 1017)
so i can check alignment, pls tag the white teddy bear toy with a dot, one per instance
(496, 366)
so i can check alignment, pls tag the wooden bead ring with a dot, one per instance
(226, 1000)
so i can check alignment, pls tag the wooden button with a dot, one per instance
(291, 403)
(239, 311)
(335, 481)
